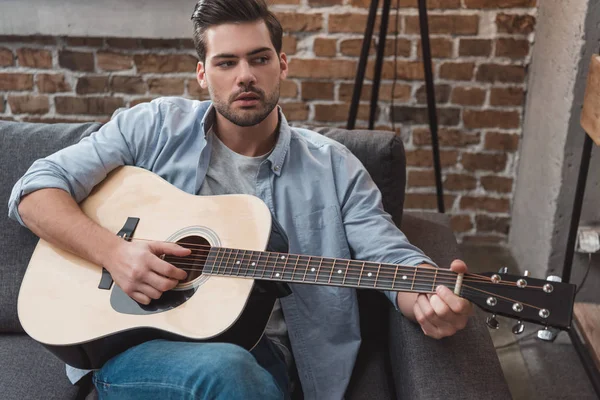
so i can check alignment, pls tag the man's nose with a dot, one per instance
(245, 76)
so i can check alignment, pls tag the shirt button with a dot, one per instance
(276, 168)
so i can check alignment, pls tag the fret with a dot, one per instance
(295, 266)
(361, 273)
(215, 261)
(319, 267)
(253, 264)
(395, 275)
(423, 279)
(404, 278)
(368, 274)
(239, 263)
(338, 272)
(208, 265)
(413, 280)
(229, 252)
(434, 279)
(220, 261)
(273, 267)
(264, 267)
(384, 278)
(311, 271)
(346, 273)
(286, 273)
(232, 263)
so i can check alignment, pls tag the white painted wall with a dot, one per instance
(106, 18)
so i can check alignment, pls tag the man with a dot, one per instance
(239, 142)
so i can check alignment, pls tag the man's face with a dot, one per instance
(242, 72)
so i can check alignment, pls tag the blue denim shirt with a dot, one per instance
(316, 188)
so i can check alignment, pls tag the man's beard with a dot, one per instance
(247, 117)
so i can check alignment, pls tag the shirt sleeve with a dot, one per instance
(370, 231)
(124, 140)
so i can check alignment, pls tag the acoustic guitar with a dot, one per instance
(238, 264)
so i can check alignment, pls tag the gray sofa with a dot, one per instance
(396, 360)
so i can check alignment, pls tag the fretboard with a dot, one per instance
(324, 271)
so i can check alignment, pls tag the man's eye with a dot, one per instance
(262, 60)
(225, 64)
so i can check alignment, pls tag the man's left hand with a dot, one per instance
(443, 314)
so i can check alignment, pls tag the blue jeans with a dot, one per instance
(162, 369)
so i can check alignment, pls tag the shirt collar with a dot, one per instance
(277, 156)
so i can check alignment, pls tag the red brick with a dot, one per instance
(34, 58)
(37, 39)
(123, 43)
(475, 47)
(457, 71)
(461, 223)
(296, 111)
(353, 47)
(325, 47)
(446, 137)
(355, 23)
(165, 63)
(92, 84)
(501, 73)
(468, 96)
(52, 120)
(489, 204)
(460, 182)
(424, 158)
(166, 86)
(492, 224)
(298, 22)
(160, 43)
(517, 24)
(484, 162)
(52, 83)
(501, 141)
(317, 90)
(6, 57)
(288, 89)
(445, 24)
(402, 92)
(426, 201)
(474, 119)
(512, 48)
(324, 3)
(111, 61)
(84, 41)
(1, 104)
(431, 4)
(16, 82)
(500, 3)
(76, 61)
(421, 178)
(289, 44)
(510, 96)
(442, 94)
(405, 70)
(419, 115)
(497, 184)
(194, 89)
(128, 84)
(28, 104)
(403, 48)
(284, 2)
(326, 69)
(338, 112)
(87, 105)
(440, 48)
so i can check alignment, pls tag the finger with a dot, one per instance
(457, 304)
(459, 267)
(159, 282)
(426, 326)
(167, 270)
(428, 312)
(441, 309)
(150, 291)
(140, 298)
(174, 249)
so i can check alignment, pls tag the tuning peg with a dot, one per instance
(526, 273)
(548, 334)
(503, 270)
(492, 322)
(518, 328)
(554, 278)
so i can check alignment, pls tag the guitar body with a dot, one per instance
(61, 306)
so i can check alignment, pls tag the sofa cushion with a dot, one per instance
(31, 372)
(382, 154)
(22, 144)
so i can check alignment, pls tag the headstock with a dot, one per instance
(545, 302)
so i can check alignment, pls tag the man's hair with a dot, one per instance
(209, 13)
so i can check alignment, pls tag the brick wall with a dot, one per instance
(481, 49)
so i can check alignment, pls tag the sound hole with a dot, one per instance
(194, 263)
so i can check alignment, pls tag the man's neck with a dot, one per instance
(251, 141)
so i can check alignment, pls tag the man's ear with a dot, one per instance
(201, 75)
(283, 66)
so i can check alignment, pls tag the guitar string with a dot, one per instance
(386, 273)
(326, 259)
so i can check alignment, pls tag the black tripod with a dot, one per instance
(360, 75)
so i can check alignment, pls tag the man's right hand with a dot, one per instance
(140, 272)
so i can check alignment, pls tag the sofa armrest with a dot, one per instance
(463, 366)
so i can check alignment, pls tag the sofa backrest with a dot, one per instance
(21, 144)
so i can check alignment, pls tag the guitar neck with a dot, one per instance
(294, 268)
